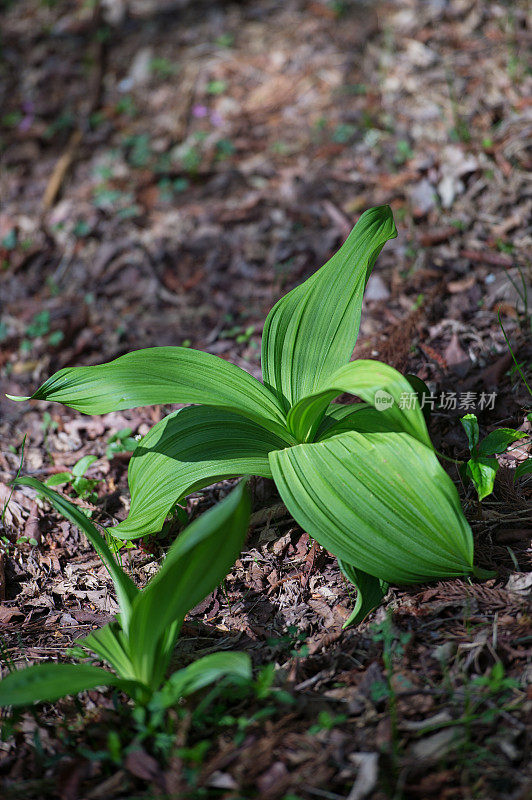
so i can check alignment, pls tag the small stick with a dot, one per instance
(60, 170)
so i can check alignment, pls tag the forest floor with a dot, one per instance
(167, 176)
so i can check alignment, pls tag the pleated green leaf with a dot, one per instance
(356, 417)
(110, 644)
(125, 588)
(370, 592)
(313, 329)
(196, 563)
(163, 375)
(376, 383)
(49, 682)
(199, 674)
(378, 501)
(188, 450)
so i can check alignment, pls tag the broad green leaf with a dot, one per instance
(336, 415)
(58, 479)
(163, 375)
(125, 588)
(498, 441)
(422, 391)
(525, 468)
(370, 592)
(313, 329)
(80, 467)
(199, 674)
(196, 563)
(378, 501)
(482, 471)
(49, 682)
(188, 450)
(110, 644)
(470, 425)
(376, 383)
(357, 417)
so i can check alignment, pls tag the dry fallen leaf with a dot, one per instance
(7, 613)
(456, 358)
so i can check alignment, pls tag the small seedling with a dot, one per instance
(403, 152)
(225, 40)
(139, 149)
(326, 722)
(82, 487)
(48, 426)
(216, 87)
(9, 242)
(343, 133)
(239, 334)
(163, 67)
(139, 643)
(39, 326)
(126, 105)
(121, 442)
(6, 504)
(482, 467)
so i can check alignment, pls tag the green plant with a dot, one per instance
(10, 240)
(343, 133)
(139, 149)
(363, 480)
(482, 466)
(126, 105)
(225, 40)
(403, 152)
(238, 333)
(163, 67)
(120, 442)
(326, 722)
(139, 643)
(40, 325)
(483, 699)
(393, 647)
(216, 87)
(517, 365)
(6, 504)
(83, 487)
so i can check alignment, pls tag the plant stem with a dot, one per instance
(520, 371)
(16, 476)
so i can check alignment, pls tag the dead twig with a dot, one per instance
(53, 187)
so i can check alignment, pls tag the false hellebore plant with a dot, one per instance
(363, 480)
(140, 642)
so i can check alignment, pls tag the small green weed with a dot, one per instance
(326, 722)
(343, 133)
(163, 67)
(483, 466)
(216, 87)
(81, 486)
(139, 643)
(121, 442)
